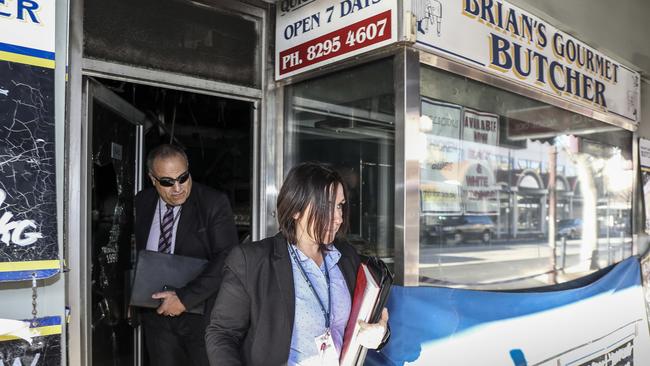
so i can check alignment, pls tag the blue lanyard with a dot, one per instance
(326, 313)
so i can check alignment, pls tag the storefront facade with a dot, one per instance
(483, 147)
(472, 129)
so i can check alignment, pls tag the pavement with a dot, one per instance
(505, 264)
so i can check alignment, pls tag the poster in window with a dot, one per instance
(441, 198)
(479, 127)
(480, 139)
(480, 191)
(439, 169)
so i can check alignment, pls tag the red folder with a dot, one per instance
(370, 294)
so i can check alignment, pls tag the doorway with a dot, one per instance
(116, 130)
(126, 120)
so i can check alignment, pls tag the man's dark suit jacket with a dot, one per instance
(206, 229)
(252, 319)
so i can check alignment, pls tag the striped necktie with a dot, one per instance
(166, 229)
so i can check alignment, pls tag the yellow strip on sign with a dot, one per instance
(36, 332)
(48, 330)
(29, 60)
(29, 266)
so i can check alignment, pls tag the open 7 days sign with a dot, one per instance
(314, 33)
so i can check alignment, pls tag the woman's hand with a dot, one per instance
(371, 335)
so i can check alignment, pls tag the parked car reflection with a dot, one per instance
(453, 230)
(569, 228)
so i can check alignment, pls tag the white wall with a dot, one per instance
(618, 28)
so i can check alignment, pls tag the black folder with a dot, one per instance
(384, 278)
(155, 271)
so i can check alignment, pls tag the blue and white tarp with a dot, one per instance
(601, 323)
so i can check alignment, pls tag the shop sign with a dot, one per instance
(314, 33)
(27, 32)
(28, 209)
(502, 39)
(482, 128)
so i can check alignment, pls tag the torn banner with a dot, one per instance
(28, 222)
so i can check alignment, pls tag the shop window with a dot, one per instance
(353, 129)
(184, 37)
(485, 208)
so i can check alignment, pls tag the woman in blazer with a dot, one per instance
(286, 299)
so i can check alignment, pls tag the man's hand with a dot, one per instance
(171, 304)
(371, 335)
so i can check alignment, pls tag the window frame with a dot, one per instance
(411, 256)
(408, 60)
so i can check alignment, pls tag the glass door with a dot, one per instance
(115, 168)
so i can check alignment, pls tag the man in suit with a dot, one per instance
(185, 218)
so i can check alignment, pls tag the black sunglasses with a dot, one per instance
(168, 182)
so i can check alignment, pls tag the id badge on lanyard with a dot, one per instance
(326, 350)
(324, 343)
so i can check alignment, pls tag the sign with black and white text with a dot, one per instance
(28, 222)
(480, 190)
(480, 127)
(313, 33)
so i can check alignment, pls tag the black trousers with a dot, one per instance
(174, 341)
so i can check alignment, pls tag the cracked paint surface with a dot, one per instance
(28, 229)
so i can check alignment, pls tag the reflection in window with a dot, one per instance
(351, 128)
(484, 188)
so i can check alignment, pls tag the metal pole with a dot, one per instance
(441, 241)
(622, 235)
(552, 173)
(563, 241)
(607, 227)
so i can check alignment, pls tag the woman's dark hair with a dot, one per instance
(310, 183)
